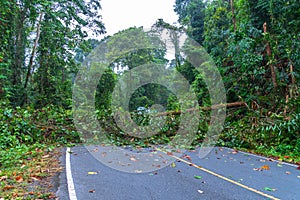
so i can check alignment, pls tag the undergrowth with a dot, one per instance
(28, 138)
(274, 135)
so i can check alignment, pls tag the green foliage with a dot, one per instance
(14, 156)
(274, 135)
(125, 54)
(148, 95)
(15, 128)
(216, 30)
(104, 89)
(192, 14)
(27, 126)
(36, 53)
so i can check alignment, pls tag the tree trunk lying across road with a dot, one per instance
(206, 108)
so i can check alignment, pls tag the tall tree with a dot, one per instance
(191, 14)
(40, 36)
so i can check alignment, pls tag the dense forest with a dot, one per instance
(255, 45)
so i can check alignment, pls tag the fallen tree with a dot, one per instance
(206, 108)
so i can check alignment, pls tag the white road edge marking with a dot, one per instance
(71, 188)
(265, 158)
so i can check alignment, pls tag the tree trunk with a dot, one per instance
(269, 53)
(291, 74)
(233, 15)
(290, 88)
(33, 50)
(19, 48)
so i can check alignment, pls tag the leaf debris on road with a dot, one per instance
(200, 191)
(92, 173)
(269, 189)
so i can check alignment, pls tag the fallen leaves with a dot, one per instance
(52, 196)
(234, 152)
(298, 168)
(187, 157)
(36, 168)
(197, 177)
(264, 167)
(200, 191)
(92, 173)
(92, 191)
(158, 166)
(178, 151)
(132, 158)
(279, 164)
(19, 179)
(169, 153)
(8, 187)
(173, 165)
(46, 156)
(3, 178)
(269, 189)
(35, 178)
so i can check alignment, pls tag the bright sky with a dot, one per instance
(122, 14)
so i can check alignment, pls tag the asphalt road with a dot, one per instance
(223, 174)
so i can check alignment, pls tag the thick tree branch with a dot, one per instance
(206, 108)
